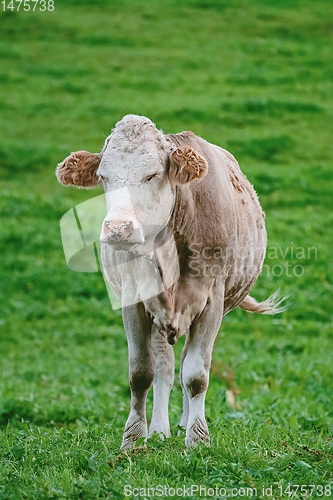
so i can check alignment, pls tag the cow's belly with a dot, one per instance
(252, 242)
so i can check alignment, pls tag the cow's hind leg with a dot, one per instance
(196, 366)
(164, 378)
(141, 371)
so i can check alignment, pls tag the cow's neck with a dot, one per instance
(182, 220)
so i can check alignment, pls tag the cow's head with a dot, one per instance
(139, 169)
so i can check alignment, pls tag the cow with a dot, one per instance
(188, 196)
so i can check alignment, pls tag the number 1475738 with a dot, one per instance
(14, 5)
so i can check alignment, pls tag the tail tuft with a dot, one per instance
(268, 306)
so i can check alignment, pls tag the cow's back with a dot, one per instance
(227, 215)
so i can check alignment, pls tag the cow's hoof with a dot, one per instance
(197, 433)
(134, 431)
(132, 444)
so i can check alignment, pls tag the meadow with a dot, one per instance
(253, 77)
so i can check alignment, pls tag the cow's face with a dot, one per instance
(139, 170)
(139, 195)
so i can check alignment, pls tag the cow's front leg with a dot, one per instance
(141, 371)
(184, 417)
(196, 366)
(163, 382)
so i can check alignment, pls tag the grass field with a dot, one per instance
(253, 77)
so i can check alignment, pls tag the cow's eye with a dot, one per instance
(150, 177)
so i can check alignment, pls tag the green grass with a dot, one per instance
(254, 77)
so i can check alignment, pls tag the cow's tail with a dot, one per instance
(272, 305)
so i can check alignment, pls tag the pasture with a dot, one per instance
(253, 77)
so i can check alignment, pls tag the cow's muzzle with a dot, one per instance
(122, 233)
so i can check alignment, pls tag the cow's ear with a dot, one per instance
(185, 165)
(79, 169)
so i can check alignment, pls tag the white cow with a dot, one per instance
(189, 197)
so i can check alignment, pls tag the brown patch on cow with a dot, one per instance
(79, 169)
(260, 222)
(234, 176)
(141, 381)
(185, 165)
(240, 182)
(197, 385)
